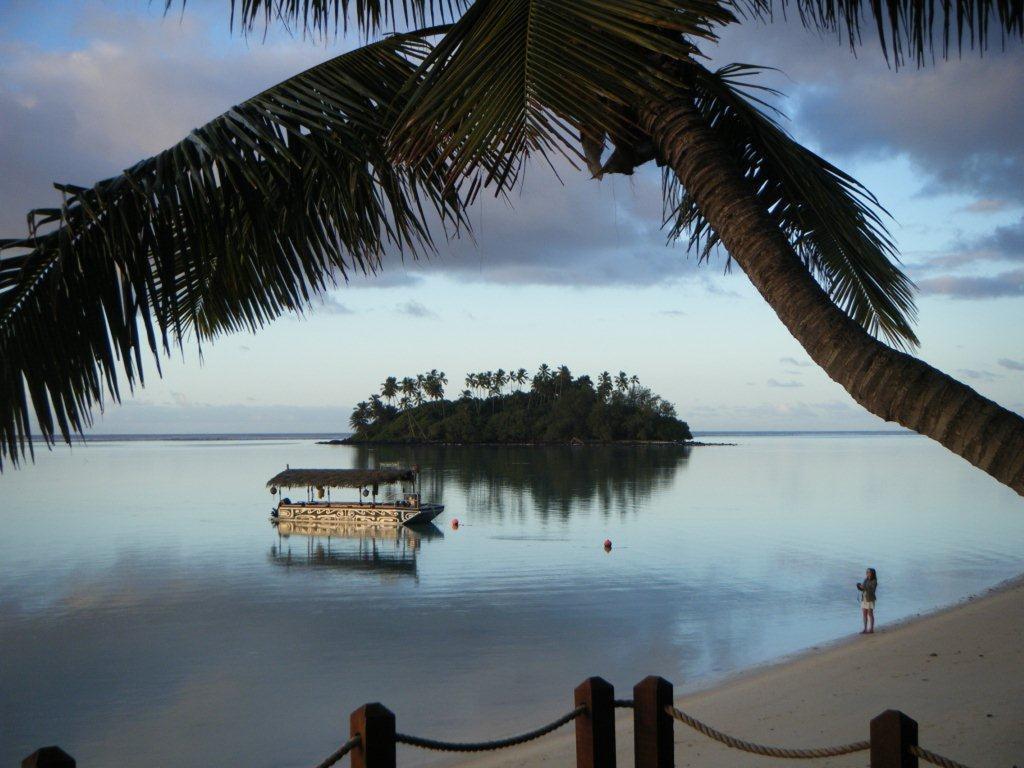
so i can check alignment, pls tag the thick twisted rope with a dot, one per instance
(934, 759)
(760, 749)
(343, 750)
(623, 703)
(486, 746)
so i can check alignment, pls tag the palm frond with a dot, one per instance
(519, 77)
(322, 17)
(833, 222)
(912, 29)
(244, 219)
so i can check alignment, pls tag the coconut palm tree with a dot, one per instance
(622, 382)
(410, 389)
(604, 386)
(471, 383)
(360, 417)
(389, 389)
(261, 208)
(520, 377)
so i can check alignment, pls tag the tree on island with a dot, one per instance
(266, 205)
(557, 409)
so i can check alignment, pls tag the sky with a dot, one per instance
(571, 270)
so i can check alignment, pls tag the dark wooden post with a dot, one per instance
(49, 757)
(652, 725)
(595, 728)
(374, 724)
(892, 735)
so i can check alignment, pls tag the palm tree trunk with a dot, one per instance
(888, 383)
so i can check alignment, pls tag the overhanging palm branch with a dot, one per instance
(906, 29)
(912, 29)
(832, 221)
(327, 16)
(239, 222)
(519, 77)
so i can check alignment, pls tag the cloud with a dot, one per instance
(794, 362)
(1003, 284)
(413, 308)
(672, 313)
(1013, 365)
(783, 384)
(329, 305)
(986, 205)
(957, 121)
(131, 84)
(971, 373)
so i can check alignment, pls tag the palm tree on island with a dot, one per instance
(389, 389)
(260, 208)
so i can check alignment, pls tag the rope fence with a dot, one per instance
(761, 749)
(343, 750)
(488, 746)
(373, 737)
(935, 759)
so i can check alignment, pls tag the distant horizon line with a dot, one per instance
(111, 436)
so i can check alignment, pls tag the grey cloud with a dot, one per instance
(1013, 365)
(971, 373)
(793, 361)
(775, 383)
(1009, 283)
(672, 313)
(986, 205)
(958, 121)
(413, 308)
(329, 305)
(138, 84)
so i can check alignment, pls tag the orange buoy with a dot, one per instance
(455, 523)
(607, 545)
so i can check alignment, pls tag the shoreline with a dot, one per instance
(958, 671)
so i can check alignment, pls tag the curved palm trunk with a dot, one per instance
(889, 383)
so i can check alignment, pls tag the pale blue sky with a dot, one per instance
(577, 274)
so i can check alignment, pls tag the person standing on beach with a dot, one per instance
(867, 600)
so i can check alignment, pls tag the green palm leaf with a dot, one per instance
(519, 77)
(833, 222)
(246, 218)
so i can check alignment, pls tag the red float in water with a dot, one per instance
(607, 543)
(455, 523)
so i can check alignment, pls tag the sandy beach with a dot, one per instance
(959, 672)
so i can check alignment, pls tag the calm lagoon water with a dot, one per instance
(150, 614)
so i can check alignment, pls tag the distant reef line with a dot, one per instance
(571, 443)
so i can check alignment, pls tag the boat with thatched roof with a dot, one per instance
(406, 509)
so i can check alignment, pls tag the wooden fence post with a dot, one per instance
(595, 728)
(49, 757)
(652, 725)
(374, 724)
(892, 735)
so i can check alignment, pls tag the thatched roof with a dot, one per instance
(339, 478)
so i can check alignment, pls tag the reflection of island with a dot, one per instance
(558, 478)
(384, 549)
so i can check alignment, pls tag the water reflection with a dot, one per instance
(168, 622)
(500, 481)
(389, 550)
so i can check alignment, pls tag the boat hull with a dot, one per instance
(356, 513)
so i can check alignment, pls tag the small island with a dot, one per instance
(551, 406)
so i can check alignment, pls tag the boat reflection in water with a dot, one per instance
(389, 550)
